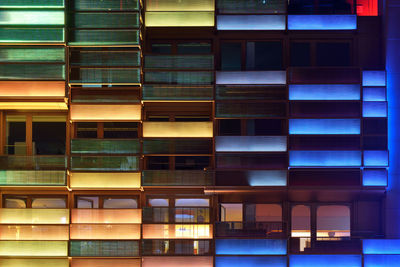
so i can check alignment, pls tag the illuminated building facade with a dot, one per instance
(199, 133)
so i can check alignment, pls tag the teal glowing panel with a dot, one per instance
(325, 261)
(376, 158)
(32, 54)
(324, 126)
(375, 177)
(374, 93)
(381, 260)
(251, 22)
(267, 177)
(374, 109)
(250, 143)
(324, 92)
(32, 4)
(32, 72)
(299, 158)
(322, 22)
(8, 18)
(374, 78)
(272, 261)
(28, 35)
(104, 37)
(381, 246)
(250, 247)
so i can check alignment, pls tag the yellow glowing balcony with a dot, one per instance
(32, 89)
(34, 216)
(106, 112)
(106, 216)
(180, 5)
(105, 180)
(179, 19)
(178, 129)
(33, 106)
(34, 263)
(34, 248)
(178, 261)
(34, 232)
(104, 232)
(104, 263)
(177, 231)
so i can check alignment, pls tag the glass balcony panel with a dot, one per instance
(103, 37)
(103, 146)
(40, 4)
(33, 162)
(245, 110)
(177, 231)
(32, 178)
(250, 229)
(324, 92)
(380, 260)
(324, 158)
(32, 54)
(31, 35)
(171, 92)
(324, 76)
(107, 75)
(176, 178)
(179, 215)
(375, 109)
(105, 57)
(374, 78)
(251, 178)
(31, 18)
(251, 6)
(325, 109)
(250, 247)
(177, 146)
(324, 126)
(182, 247)
(106, 216)
(104, 180)
(180, 5)
(375, 177)
(115, 163)
(106, 5)
(195, 261)
(322, 22)
(179, 77)
(32, 72)
(105, 112)
(34, 248)
(105, 232)
(251, 77)
(250, 144)
(34, 262)
(325, 260)
(104, 248)
(271, 261)
(34, 232)
(179, 62)
(251, 22)
(34, 216)
(177, 129)
(179, 19)
(374, 94)
(248, 161)
(37, 89)
(89, 20)
(105, 262)
(231, 92)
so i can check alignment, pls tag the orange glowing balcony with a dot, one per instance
(34, 216)
(93, 180)
(177, 231)
(105, 262)
(32, 89)
(34, 262)
(34, 248)
(106, 216)
(178, 261)
(178, 129)
(105, 232)
(34, 232)
(106, 112)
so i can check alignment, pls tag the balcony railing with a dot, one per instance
(177, 178)
(196, 62)
(104, 146)
(345, 245)
(176, 215)
(176, 247)
(177, 146)
(98, 163)
(53, 162)
(32, 178)
(251, 229)
(175, 92)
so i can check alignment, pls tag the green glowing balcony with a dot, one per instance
(105, 57)
(53, 162)
(177, 146)
(32, 35)
(180, 62)
(32, 54)
(180, 77)
(104, 248)
(103, 37)
(177, 178)
(105, 5)
(171, 92)
(105, 75)
(32, 178)
(105, 146)
(32, 72)
(107, 20)
(32, 4)
(251, 6)
(105, 163)
(32, 18)
(230, 92)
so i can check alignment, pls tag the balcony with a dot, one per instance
(97, 180)
(176, 247)
(177, 231)
(176, 92)
(32, 178)
(34, 216)
(176, 215)
(98, 163)
(53, 162)
(326, 246)
(105, 146)
(177, 178)
(178, 129)
(251, 7)
(251, 229)
(104, 248)
(172, 62)
(177, 146)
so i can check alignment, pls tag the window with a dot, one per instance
(191, 163)
(106, 202)
(367, 7)
(333, 54)
(192, 202)
(264, 56)
(264, 213)
(158, 202)
(107, 130)
(157, 163)
(35, 202)
(300, 54)
(161, 48)
(194, 48)
(301, 221)
(231, 56)
(231, 212)
(16, 135)
(333, 221)
(321, 7)
(86, 130)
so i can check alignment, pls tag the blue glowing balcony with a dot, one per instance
(250, 144)
(325, 158)
(251, 22)
(375, 109)
(324, 126)
(250, 247)
(273, 261)
(375, 177)
(251, 77)
(381, 246)
(374, 93)
(376, 158)
(252, 178)
(322, 22)
(325, 260)
(324, 92)
(374, 78)
(381, 260)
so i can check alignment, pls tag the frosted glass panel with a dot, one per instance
(34, 262)
(106, 216)
(324, 92)
(177, 261)
(103, 232)
(105, 262)
(250, 247)
(322, 22)
(54, 89)
(324, 126)
(325, 158)
(376, 158)
(34, 248)
(267, 178)
(375, 177)
(251, 22)
(106, 112)
(32, 18)
(104, 180)
(250, 261)
(325, 260)
(250, 143)
(375, 109)
(37, 232)
(381, 246)
(374, 93)
(179, 19)
(177, 129)
(380, 260)
(180, 5)
(374, 78)
(177, 231)
(251, 77)
(34, 216)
